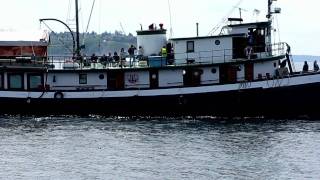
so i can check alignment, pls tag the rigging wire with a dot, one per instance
(94, 1)
(88, 24)
(59, 39)
(225, 19)
(278, 27)
(100, 34)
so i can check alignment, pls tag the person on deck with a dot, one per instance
(315, 66)
(131, 54)
(305, 68)
(94, 58)
(116, 57)
(104, 60)
(123, 56)
(110, 59)
(140, 53)
(164, 52)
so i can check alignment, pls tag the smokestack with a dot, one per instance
(197, 29)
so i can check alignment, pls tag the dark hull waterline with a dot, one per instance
(290, 101)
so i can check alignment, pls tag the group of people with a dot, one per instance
(133, 54)
(115, 58)
(306, 66)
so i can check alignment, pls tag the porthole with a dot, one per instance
(184, 72)
(154, 76)
(214, 70)
(217, 42)
(101, 76)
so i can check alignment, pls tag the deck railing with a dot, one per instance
(180, 59)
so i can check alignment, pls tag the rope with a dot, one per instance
(225, 19)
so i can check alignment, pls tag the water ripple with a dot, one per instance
(97, 147)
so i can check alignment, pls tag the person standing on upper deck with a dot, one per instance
(305, 67)
(123, 56)
(315, 66)
(131, 54)
(140, 53)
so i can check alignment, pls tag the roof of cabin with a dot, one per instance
(152, 32)
(207, 37)
(259, 24)
(23, 43)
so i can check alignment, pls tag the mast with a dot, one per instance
(269, 9)
(77, 31)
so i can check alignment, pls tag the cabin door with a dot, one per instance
(228, 74)
(248, 71)
(154, 78)
(115, 80)
(239, 46)
(192, 77)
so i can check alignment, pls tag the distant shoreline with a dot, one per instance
(305, 58)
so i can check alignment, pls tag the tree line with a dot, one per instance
(91, 43)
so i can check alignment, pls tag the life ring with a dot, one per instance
(58, 95)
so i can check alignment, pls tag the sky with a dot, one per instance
(298, 24)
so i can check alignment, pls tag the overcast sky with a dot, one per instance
(298, 24)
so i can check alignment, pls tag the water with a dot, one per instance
(158, 148)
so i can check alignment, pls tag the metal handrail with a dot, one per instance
(201, 57)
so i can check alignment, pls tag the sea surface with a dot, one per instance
(97, 147)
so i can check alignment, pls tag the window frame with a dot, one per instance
(2, 80)
(81, 81)
(192, 45)
(29, 80)
(9, 75)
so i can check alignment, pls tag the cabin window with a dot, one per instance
(15, 81)
(1, 81)
(190, 46)
(34, 81)
(83, 78)
(214, 70)
(217, 42)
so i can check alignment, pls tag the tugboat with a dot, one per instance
(239, 72)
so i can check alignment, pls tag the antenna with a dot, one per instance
(170, 16)
(270, 12)
(240, 11)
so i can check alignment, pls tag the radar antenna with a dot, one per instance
(270, 11)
